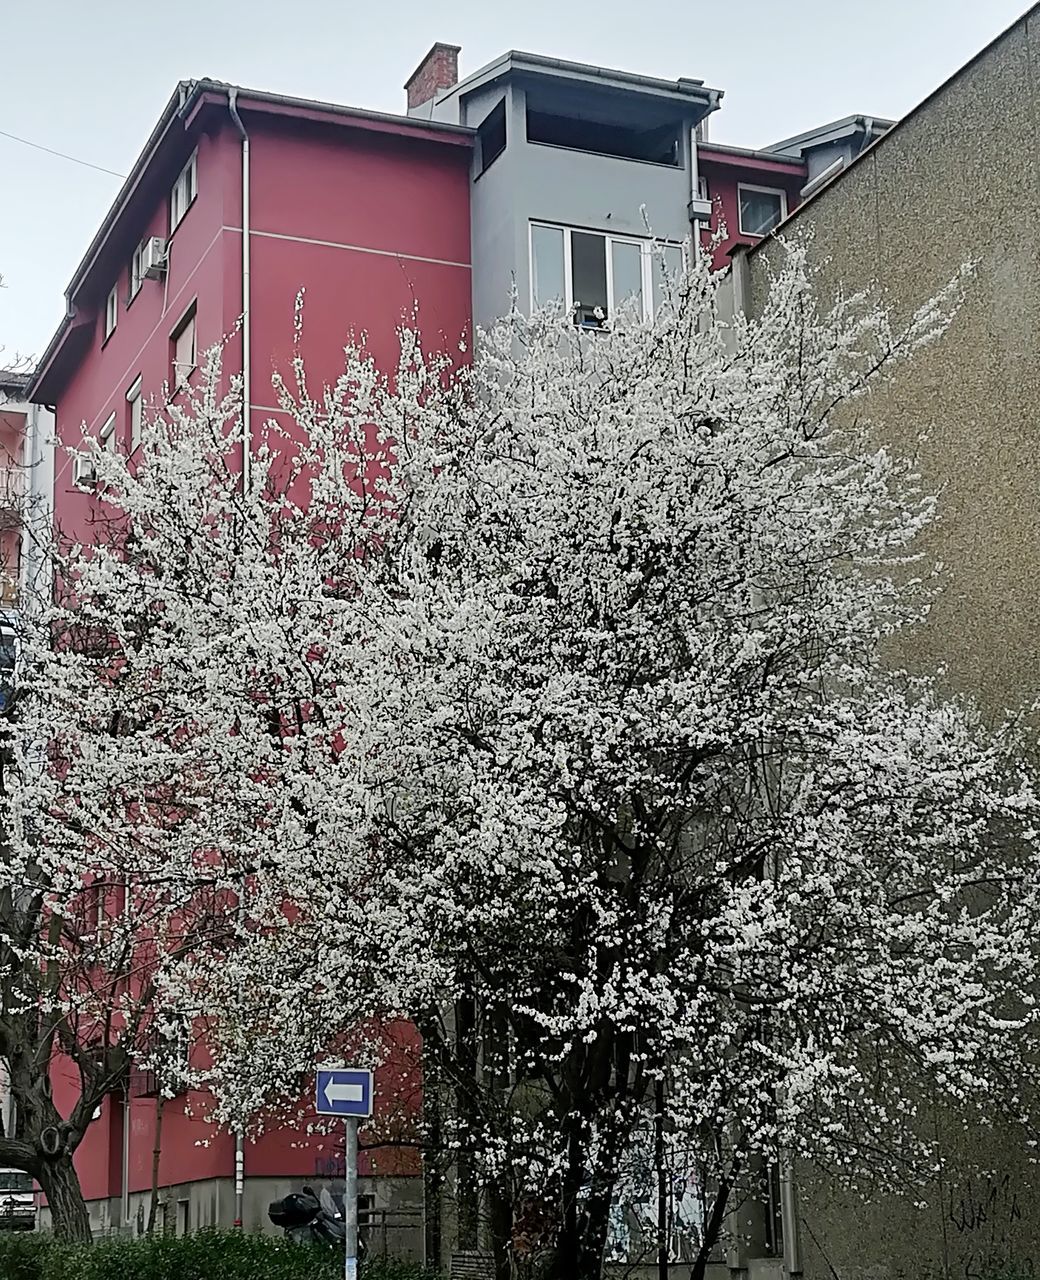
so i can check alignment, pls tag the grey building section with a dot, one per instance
(957, 179)
(830, 148)
(575, 147)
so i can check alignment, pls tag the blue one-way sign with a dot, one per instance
(343, 1091)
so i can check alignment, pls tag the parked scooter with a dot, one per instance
(310, 1217)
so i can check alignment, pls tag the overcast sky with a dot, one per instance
(89, 78)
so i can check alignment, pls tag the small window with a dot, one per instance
(107, 434)
(589, 277)
(761, 209)
(627, 262)
(184, 191)
(136, 272)
(547, 265)
(111, 311)
(666, 268)
(84, 474)
(182, 343)
(134, 409)
(491, 136)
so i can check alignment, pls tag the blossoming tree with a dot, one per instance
(544, 705)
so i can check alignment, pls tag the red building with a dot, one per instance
(238, 201)
(752, 192)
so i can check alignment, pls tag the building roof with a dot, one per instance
(13, 382)
(743, 157)
(167, 142)
(833, 131)
(518, 62)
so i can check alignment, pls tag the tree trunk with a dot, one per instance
(712, 1231)
(586, 1212)
(153, 1204)
(69, 1217)
(500, 1224)
(466, 1095)
(662, 1183)
(579, 1251)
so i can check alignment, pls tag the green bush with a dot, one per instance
(208, 1255)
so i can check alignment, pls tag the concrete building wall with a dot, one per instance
(958, 179)
(534, 182)
(372, 224)
(723, 175)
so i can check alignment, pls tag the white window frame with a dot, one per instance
(107, 435)
(111, 312)
(646, 249)
(136, 271)
(182, 371)
(184, 191)
(767, 191)
(136, 413)
(84, 473)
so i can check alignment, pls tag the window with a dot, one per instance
(593, 274)
(182, 343)
(761, 208)
(107, 434)
(84, 475)
(136, 271)
(491, 135)
(111, 311)
(134, 409)
(184, 191)
(658, 144)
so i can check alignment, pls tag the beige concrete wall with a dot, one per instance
(395, 1226)
(958, 180)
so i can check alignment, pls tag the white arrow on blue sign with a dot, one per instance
(343, 1091)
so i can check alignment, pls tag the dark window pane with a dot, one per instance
(589, 273)
(658, 145)
(492, 136)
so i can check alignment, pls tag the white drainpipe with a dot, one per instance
(247, 450)
(246, 318)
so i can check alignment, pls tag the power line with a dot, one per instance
(61, 154)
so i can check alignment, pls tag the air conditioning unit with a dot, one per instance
(153, 258)
(699, 210)
(84, 474)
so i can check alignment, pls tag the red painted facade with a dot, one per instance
(370, 217)
(723, 170)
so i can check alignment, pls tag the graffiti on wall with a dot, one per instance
(981, 1215)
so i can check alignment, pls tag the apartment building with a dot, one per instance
(238, 201)
(575, 172)
(532, 180)
(752, 192)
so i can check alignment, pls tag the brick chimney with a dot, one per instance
(438, 70)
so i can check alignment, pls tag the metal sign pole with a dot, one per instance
(346, 1092)
(350, 1215)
